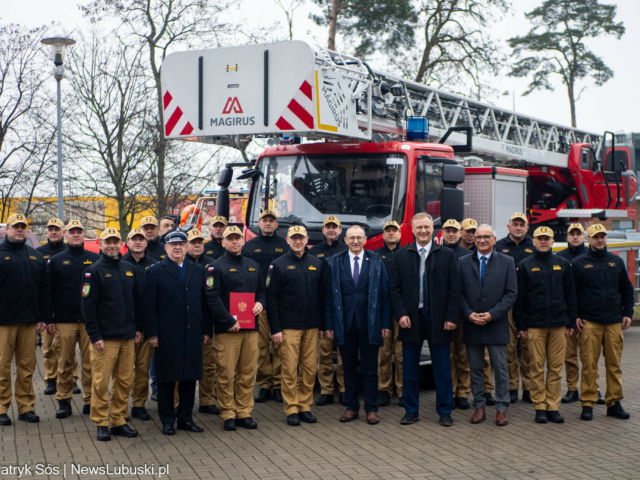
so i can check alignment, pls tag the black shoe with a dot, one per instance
(526, 396)
(341, 399)
(446, 420)
(86, 409)
(489, 400)
(52, 388)
(5, 420)
(587, 413)
(541, 416)
(277, 395)
(209, 409)
(307, 417)
(140, 413)
(600, 398)
(29, 417)
(513, 394)
(103, 434)
(190, 427)
(293, 420)
(400, 402)
(555, 417)
(168, 429)
(410, 418)
(154, 394)
(124, 431)
(325, 400)
(65, 409)
(462, 403)
(247, 423)
(263, 395)
(229, 425)
(76, 389)
(384, 399)
(571, 396)
(617, 411)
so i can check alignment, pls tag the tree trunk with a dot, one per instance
(161, 148)
(333, 24)
(572, 101)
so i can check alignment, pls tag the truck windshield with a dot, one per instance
(367, 189)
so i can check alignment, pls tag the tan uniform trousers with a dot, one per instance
(268, 371)
(67, 336)
(593, 338)
(208, 383)
(298, 351)
(144, 354)
(19, 340)
(548, 344)
(50, 358)
(325, 367)
(460, 373)
(385, 373)
(571, 365)
(236, 351)
(115, 360)
(512, 358)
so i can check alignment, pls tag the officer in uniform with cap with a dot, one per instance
(236, 349)
(111, 313)
(575, 248)
(66, 275)
(332, 245)
(177, 323)
(295, 324)
(518, 245)
(213, 248)
(25, 306)
(468, 234)
(264, 249)
(155, 249)
(391, 235)
(604, 312)
(545, 313)
(207, 386)
(136, 256)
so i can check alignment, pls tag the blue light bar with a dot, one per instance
(418, 128)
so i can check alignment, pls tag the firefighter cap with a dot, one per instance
(148, 221)
(55, 222)
(110, 233)
(469, 224)
(267, 213)
(296, 230)
(16, 218)
(232, 230)
(134, 232)
(573, 226)
(451, 223)
(519, 215)
(194, 234)
(175, 237)
(332, 219)
(593, 230)
(543, 232)
(74, 224)
(391, 223)
(219, 219)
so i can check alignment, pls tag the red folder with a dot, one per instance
(241, 306)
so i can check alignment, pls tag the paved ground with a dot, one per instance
(604, 448)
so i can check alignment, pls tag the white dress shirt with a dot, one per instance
(352, 261)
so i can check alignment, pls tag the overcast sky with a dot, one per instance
(614, 106)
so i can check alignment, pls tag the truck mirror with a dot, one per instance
(452, 174)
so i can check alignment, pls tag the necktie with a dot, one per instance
(423, 259)
(356, 271)
(483, 267)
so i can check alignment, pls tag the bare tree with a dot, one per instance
(289, 11)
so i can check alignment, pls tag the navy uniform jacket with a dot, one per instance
(50, 249)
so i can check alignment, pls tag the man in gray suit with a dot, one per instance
(489, 290)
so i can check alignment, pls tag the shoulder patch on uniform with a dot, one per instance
(209, 282)
(233, 269)
(209, 251)
(279, 250)
(31, 257)
(210, 269)
(87, 275)
(162, 256)
(128, 273)
(87, 262)
(46, 256)
(7, 258)
(311, 267)
(257, 250)
(291, 267)
(85, 289)
(108, 275)
(320, 255)
(66, 262)
(251, 269)
(588, 265)
(528, 250)
(557, 267)
(505, 250)
(612, 264)
(535, 269)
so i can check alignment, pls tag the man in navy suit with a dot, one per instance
(358, 319)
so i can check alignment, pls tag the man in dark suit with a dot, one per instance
(358, 319)
(425, 295)
(489, 290)
(178, 322)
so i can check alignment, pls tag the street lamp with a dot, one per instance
(58, 48)
(506, 93)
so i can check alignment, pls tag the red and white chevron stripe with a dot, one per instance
(174, 118)
(298, 114)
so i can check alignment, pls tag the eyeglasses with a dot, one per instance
(484, 238)
(352, 239)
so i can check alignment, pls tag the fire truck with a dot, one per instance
(368, 147)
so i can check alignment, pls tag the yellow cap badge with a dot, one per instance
(452, 223)
(593, 230)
